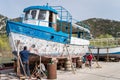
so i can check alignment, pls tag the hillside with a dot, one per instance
(100, 26)
(2, 23)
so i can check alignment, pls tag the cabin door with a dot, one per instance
(50, 19)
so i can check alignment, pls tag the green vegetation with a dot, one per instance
(105, 41)
(103, 26)
(105, 32)
(5, 50)
(104, 36)
(4, 44)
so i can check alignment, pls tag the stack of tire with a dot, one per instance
(68, 65)
(79, 63)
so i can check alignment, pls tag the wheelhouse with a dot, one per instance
(41, 16)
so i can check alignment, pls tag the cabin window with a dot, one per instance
(33, 13)
(26, 15)
(42, 15)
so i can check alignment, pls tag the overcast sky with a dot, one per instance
(80, 9)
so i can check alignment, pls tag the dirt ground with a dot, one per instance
(109, 71)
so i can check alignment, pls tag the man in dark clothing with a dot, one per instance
(25, 60)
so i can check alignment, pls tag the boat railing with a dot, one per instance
(65, 19)
(63, 13)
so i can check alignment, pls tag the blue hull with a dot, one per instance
(40, 32)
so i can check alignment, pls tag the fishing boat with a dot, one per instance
(48, 30)
(110, 53)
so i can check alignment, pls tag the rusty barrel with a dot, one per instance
(52, 71)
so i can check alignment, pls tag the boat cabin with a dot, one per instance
(41, 16)
(47, 16)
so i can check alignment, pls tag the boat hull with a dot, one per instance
(44, 47)
(46, 41)
(107, 54)
(114, 50)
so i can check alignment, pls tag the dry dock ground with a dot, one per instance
(109, 71)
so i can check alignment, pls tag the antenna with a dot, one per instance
(47, 4)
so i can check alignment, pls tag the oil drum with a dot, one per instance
(52, 70)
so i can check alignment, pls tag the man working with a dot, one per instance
(89, 58)
(25, 60)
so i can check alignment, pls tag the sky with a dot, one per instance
(79, 9)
